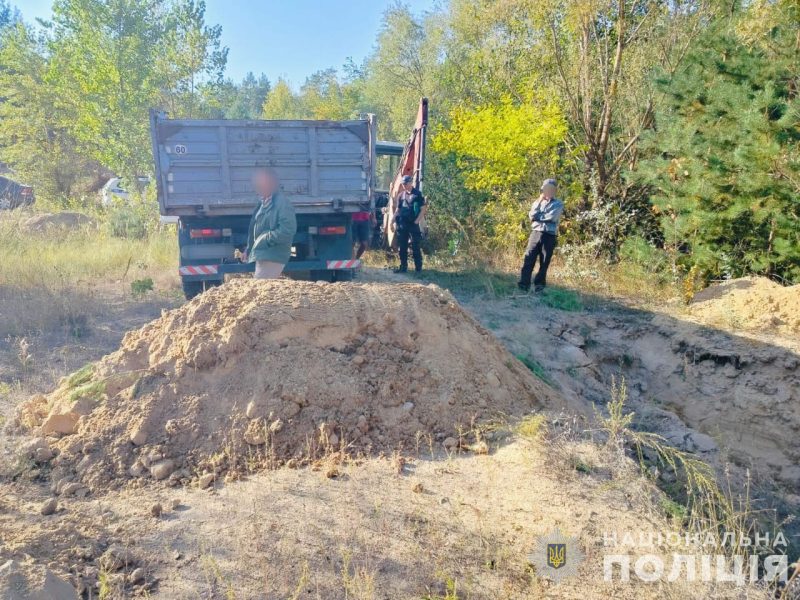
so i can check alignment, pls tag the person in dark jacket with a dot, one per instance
(409, 212)
(272, 227)
(544, 215)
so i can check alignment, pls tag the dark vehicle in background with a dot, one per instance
(13, 194)
(327, 169)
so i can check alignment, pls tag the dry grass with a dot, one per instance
(705, 507)
(49, 280)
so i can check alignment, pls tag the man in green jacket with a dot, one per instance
(272, 227)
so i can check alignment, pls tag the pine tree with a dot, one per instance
(724, 157)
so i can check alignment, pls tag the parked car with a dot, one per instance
(117, 188)
(13, 194)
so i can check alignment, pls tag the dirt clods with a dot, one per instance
(49, 507)
(256, 374)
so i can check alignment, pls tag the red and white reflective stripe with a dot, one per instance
(344, 264)
(198, 270)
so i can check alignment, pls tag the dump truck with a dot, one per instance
(203, 170)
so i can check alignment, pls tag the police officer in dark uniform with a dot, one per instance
(410, 211)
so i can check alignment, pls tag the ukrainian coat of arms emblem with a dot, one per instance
(556, 556)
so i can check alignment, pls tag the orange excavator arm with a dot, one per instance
(412, 163)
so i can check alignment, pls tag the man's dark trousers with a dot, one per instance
(540, 245)
(406, 231)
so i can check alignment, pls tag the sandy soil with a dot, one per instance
(419, 522)
(750, 303)
(281, 371)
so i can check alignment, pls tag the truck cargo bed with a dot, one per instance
(204, 167)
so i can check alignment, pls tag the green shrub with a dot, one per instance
(140, 287)
(131, 220)
(639, 251)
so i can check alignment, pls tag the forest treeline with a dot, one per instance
(672, 126)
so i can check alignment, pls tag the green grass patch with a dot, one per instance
(536, 369)
(472, 282)
(140, 287)
(81, 376)
(93, 391)
(562, 299)
(580, 465)
(673, 509)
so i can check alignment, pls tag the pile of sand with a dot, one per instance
(261, 373)
(63, 220)
(755, 303)
(28, 581)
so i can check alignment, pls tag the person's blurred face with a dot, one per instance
(549, 191)
(408, 186)
(264, 183)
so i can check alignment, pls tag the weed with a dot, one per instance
(617, 422)
(580, 465)
(675, 511)
(707, 508)
(214, 575)
(358, 582)
(139, 287)
(691, 283)
(108, 586)
(24, 355)
(532, 427)
(80, 377)
(302, 583)
(451, 591)
(536, 369)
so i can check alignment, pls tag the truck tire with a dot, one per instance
(343, 275)
(191, 288)
(195, 288)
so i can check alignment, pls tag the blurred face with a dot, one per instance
(549, 191)
(408, 186)
(264, 183)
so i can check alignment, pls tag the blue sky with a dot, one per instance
(289, 38)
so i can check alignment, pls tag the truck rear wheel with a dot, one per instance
(343, 275)
(195, 288)
(331, 275)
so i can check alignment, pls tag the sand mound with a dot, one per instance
(28, 581)
(255, 374)
(63, 220)
(755, 303)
